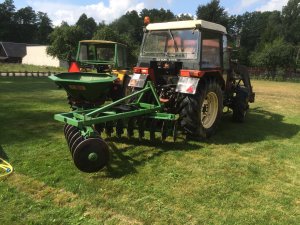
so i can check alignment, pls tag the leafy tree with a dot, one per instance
(291, 21)
(274, 55)
(250, 27)
(184, 16)
(7, 24)
(158, 15)
(107, 33)
(213, 12)
(26, 16)
(64, 41)
(44, 25)
(26, 19)
(130, 24)
(274, 28)
(88, 26)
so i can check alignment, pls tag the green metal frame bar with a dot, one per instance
(85, 118)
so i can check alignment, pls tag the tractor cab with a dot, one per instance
(183, 48)
(101, 55)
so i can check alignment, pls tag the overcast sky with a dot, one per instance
(108, 10)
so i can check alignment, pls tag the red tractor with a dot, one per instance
(189, 63)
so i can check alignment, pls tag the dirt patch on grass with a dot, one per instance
(39, 191)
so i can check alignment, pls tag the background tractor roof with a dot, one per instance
(100, 42)
(186, 25)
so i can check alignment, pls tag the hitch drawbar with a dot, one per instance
(83, 127)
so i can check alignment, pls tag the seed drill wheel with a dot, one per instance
(91, 155)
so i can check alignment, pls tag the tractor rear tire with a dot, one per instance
(201, 113)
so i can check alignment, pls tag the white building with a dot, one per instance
(37, 55)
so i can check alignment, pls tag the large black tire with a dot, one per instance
(201, 113)
(240, 105)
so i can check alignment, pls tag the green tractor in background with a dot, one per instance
(101, 57)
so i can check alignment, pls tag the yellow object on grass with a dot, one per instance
(8, 169)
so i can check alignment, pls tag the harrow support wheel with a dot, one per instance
(91, 155)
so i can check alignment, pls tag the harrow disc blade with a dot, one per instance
(164, 131)
(70, 130)
(109, 128)
(66, 126)
(74, 145)
(141, 128)
(99, 128)
(152, 130)
(130, 127)
(175, 130)
(73, 138)
(71, 134)
(91, 155)
(119, 128)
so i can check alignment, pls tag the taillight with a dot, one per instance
(191, 73)
(137, 70)
(145, 70)
(141, 70)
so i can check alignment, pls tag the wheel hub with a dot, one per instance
(209, 110)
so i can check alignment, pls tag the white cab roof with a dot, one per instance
(188, 24)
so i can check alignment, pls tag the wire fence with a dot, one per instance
(278, 75)
(27, 74)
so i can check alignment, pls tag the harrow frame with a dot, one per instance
(84, 119)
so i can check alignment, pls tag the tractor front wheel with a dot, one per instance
(240, 105)
(200, 113)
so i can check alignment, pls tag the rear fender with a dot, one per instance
(216, 76)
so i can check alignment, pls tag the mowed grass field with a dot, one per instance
(246, 174)
(14, 67)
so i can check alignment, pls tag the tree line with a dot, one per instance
(269, 39)
(24, 25)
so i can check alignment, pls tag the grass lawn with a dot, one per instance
(14, 67)
(246, 174)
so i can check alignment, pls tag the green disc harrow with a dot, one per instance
(84, 125)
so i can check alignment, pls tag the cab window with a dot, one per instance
(211, 50)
